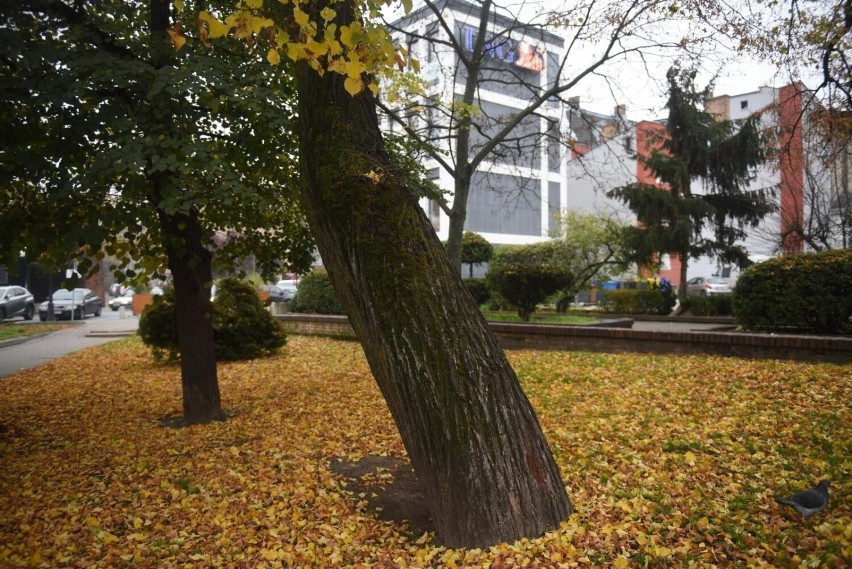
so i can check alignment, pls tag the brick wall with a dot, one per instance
(618, 339)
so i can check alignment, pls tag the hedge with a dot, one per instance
(807, 291)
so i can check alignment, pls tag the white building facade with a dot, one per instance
(515, 192)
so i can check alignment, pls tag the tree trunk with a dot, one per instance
(470, 432)
(458, 215)
(681, 287)
(190, 264)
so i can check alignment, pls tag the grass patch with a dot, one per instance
(670, 461)
(9, 331)
(541, 318)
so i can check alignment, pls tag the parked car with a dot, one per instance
(289, 288)
(72, 304)
(16, 301)
(706, 286)
(125, 300)
(279, 294)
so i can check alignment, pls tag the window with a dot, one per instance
(743, 104)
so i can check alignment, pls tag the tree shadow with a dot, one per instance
(391, 488)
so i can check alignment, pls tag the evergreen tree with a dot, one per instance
(697, 151)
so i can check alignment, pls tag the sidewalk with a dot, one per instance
(16, 356)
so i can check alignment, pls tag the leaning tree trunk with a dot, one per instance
(470, 432)
(190, 264)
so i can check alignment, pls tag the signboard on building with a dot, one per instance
(519, 53)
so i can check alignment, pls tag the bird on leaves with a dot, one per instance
(810, 501)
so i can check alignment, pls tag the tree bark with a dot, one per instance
(470, 432)
(190, 263)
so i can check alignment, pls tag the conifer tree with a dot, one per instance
(704, 167)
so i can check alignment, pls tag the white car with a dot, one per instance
(125, 300)
(288, 288)
(707, 286)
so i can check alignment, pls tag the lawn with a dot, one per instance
(542, 318)
(669, 461)
(9, 330)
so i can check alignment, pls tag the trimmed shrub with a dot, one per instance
(316, 295)
(158, 327)
(478, 289)
(475, 250)
(715, 305)
(242, 327)
(649, 297)
(524, 280)
(808, 291)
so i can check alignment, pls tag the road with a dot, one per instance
(94, 331)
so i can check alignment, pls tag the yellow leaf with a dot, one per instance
(216, 29)
(254, 4)
(689, 458)
(621, 563)
(90, 521)
(353, 85)
(327, 14)
(273, 57)
(177, 39)
(300, 17)
(179, 5)
(354, 69)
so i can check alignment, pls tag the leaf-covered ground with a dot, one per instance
(669, 461)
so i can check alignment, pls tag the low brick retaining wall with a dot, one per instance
(602, 338)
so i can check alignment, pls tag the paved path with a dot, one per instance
(35, 352)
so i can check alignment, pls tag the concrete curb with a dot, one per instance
(22, 339)
(110, 333)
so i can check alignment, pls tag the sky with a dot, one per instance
(641, 83)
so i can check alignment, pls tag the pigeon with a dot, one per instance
(810, 501)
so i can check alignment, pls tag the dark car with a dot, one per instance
(277, 294)
(16, 301)
(72, 304)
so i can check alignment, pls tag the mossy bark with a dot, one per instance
(470, 432)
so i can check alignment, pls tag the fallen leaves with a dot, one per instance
(669, 461)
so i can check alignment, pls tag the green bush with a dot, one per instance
(316, 295)
(478, 289)
(523, 277)
(242, 327)
(714, 305)
(649, 297)
(809, 291)
(158, 327)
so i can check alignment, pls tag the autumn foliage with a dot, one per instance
(670, 461)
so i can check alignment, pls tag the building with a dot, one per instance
(617, 160)
(520, 186)
(564, 157)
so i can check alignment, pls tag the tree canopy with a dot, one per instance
(88, 116)
(704, 167)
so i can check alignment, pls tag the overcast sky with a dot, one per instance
(640, 83)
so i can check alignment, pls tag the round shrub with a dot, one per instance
(808, 291)
(242, 327)
(158, 326)
(526, 285)
(316, 295)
